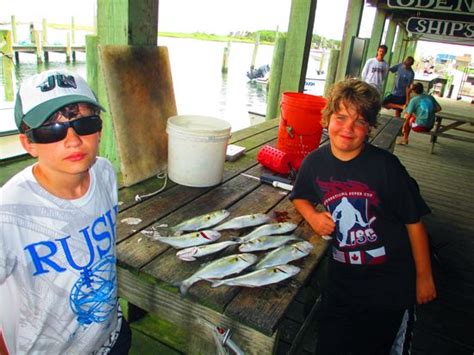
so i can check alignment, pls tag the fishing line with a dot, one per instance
(164, 176)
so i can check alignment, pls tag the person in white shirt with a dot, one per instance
(58, 281)
(376, 70)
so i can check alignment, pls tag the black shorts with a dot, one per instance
(124, 341)
(358, 330)
(392, 99)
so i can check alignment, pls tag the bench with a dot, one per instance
(389, 128)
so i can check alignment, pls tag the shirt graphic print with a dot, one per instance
(349, 203)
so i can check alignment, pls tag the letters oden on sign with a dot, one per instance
(455, 6)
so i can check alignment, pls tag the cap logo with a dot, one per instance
(63, 81)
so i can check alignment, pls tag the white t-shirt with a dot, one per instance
(58, 284)
(374, 73)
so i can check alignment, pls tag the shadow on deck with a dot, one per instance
(446, 180)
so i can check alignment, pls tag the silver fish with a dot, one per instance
(261, 277)
(219, 268)
(190, 239)
(268, 229)
(266, 242)
(190, 254)
(285, 254)
(244, 221)
(201, 222)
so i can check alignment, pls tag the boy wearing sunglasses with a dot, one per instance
(379, 261)
(58, 285)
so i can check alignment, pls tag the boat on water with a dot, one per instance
(261, 75)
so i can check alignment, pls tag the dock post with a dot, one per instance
(73, 30)
(39, 47)
(332, 69)
(273, 97)
(351, 29)
(321, 61)
(92, 58)
(44, 36)
(6, 48)
(225, 59)
(14, 37)
(255, 50)
(68, 48)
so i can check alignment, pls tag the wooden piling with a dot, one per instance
(332, 70)
(273, 98)
(225, 59)
(255, 50)
(44, 36)
(6, 49)
(92, 58)
(38, 46)
(14, 36)
(73, 30)
(68, 48)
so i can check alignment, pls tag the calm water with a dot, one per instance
(200, 87)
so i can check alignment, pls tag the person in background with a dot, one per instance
(376, 69)
(379, 257)
(419, 114)
(400, 95)
(58, 283)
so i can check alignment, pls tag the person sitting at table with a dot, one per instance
(420, 113)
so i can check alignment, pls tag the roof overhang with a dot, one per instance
(445, 21)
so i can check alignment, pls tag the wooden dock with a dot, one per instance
(42, 51)
(446, 180)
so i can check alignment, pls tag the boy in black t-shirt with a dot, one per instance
(379, 253)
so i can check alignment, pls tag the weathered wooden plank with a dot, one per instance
(186, 320)
(386, 138)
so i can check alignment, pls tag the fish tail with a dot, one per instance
(216, 283)
(185, 285)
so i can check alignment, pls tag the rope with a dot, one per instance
(139, 198)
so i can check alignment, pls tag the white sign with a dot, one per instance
(440, 27)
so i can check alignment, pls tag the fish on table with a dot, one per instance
(266, 242)
(268, 229)
(217, 269)
(190, 239)
(201, 222)
(250, 220)
(191, 253)
(261, 277)
(285, 254)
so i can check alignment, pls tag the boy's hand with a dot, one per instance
(322, 223)
(425, 289)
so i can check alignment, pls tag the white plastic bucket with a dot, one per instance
(196, 149)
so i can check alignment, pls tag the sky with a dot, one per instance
(211, 16)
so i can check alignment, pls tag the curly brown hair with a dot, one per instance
(363, 97)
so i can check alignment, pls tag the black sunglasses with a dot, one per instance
(57, 131)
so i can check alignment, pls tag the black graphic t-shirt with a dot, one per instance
(371, 198)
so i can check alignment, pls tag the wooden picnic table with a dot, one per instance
(262, 319)
(453, 115)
